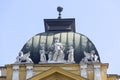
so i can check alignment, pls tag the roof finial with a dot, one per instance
(59, 9)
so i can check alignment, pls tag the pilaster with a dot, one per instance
(83, 72)
(29, 71)
(22, 73)
(97, 72)
(9, 72)
(15, 75)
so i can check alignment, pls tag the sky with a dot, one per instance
(99, 20)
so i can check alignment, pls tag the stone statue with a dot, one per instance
(58, 54)
(50, 56)
(90, 57)
(24, 58)
(94, 57)
(70, 55)
(86, 58)
(42, 54)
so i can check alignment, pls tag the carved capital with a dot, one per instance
(83, 66)
(97, 66)
(15, 68)
(29, 68)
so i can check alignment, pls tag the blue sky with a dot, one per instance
(99, 20)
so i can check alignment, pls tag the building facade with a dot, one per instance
(59, 53)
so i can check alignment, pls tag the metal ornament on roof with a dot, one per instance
(59, 9)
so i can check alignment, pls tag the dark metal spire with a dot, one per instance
(59, 9)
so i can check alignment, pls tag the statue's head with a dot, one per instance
(20, 53)
(56, 40)
(93, 52)
(42, 48)
(70, 47)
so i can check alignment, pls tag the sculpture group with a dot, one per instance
(90, 57)
(56, 55)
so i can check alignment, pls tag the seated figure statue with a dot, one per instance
(24, 58)
(58, 54)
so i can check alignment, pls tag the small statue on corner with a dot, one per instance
(24, 58)
(90, 57)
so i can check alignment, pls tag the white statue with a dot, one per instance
(86, 58)
(58, 50)
(42, 55)
(24, 58)
(90, 57)
(94, 57)
(71, 55)
(61, 56)
(50, 56)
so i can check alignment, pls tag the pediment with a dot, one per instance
(57, 73)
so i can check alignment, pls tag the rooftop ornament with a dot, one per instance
(59, 9)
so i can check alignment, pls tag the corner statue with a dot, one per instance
(90, 57)
(57, 48)
(23, 58)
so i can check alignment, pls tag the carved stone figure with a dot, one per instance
(42, 55)
(19, 57)
(61, 56)
(24, 58)
(94, 57)
(90, 57)
(50, 56)
(86, 58)
(58, 50)
(71, 55)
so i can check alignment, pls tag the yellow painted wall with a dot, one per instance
(72, 68)
(90, 70)
(113, 77)
(2, 78)
(22, 72)
(9, 72)
(104, 68)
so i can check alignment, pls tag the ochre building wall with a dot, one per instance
(72, 68)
